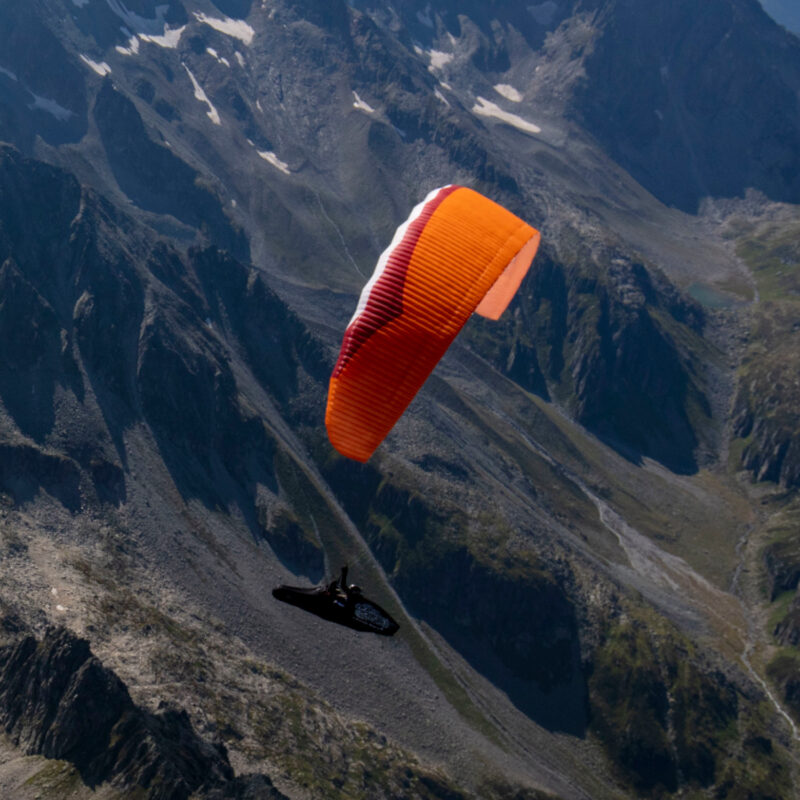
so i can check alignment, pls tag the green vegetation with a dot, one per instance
(355, 485)
(267, 715)
(757, 771)
(669, 721)
(766, 409)
(772, 251)
(784, 672)
(57, 779)
(502, 789)
(334, 759)
(270, 717)
(780, 608)
(60, 780)
(122, 608)
(630, 707)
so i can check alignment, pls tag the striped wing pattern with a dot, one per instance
(457, 253)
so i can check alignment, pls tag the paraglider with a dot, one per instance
(457, 253)
(340, 602)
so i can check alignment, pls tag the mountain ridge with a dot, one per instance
(183, 231)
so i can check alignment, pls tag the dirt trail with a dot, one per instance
(668, 580)
(752, 637)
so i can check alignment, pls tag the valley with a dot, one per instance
(586, 521)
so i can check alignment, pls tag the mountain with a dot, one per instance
(784, 12)
(586, 521)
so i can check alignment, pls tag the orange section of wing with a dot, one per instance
(505, 287)
(465, 249)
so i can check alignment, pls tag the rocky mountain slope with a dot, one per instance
(585, 523)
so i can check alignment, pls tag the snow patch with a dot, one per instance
(138, 24)
(203, 97)
(101, 68)
(237, 28)
(132, 49)
(275, 161)
(156, 31)
(80, 3)
(59, 607)
(439, 59)
(169, 39)
(361, 105)
(51, 107)
(53, 591)
(544, 12)
(222, 60)
(239, 59)
(441, 97)
(258, 106)
(485, 108)
(8, 73)
(508, 91)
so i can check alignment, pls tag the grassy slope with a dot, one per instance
(770, 246)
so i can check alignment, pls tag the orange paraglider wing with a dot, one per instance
(457, 253)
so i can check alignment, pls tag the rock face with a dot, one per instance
(665, 720)
(690, 105)
(704, 108)
(765, 412)
(142, 332)
(51, 103)
(59, 701)
(525, 640)
(298, 133)
(782, 563)
(512, 620)
(153, 177)
(603, 337)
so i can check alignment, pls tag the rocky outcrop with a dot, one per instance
(290, 541)
(782, 564)
(24, 469)
(787, 631)
(602, 335)
(59, 701)
(669, 107)
(156, 179)
(509, 616)
(784, 672)
(93, 310)
(49, 101)
(663, 714)
(517, 626)
(276, 344)
(766, 415)
(772, 452)
(189, 398)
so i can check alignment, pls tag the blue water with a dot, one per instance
(711, 298)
